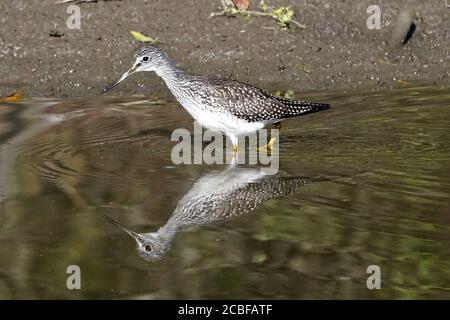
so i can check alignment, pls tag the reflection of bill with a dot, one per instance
(190, 149)
(213, 198)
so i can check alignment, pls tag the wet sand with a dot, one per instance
(41, 56)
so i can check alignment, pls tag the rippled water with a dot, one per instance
(364, 183)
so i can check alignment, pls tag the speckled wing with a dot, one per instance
(253, 104)
(247, 198)
(215, 207)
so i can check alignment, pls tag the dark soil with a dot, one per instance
(40, 56)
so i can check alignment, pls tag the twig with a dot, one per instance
(78, 1)
(231, 11)
(228, 12)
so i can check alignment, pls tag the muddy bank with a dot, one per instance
(41, 56)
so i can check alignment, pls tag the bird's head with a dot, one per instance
(150, 246)
(148, 58)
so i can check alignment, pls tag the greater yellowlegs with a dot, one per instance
(213, 198)
(232, 107)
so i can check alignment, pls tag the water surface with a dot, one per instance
(364, 183)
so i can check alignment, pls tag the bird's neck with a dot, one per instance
(175, 79)
(168, 231)
(169, 73)
(165, 236)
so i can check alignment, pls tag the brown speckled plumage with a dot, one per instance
(246, 101)
(214, 198)
(232, 107)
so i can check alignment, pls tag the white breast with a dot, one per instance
(218, 121)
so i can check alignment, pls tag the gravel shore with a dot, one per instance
(41, 56)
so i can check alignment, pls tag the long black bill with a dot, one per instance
(135, 235)
(123, 77)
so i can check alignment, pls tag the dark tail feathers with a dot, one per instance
(300, 108)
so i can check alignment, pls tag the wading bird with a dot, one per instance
(215, 197)
(232, 107)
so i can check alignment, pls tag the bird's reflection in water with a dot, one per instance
(213, 198)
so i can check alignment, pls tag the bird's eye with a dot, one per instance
(145, 59)
(148, 248)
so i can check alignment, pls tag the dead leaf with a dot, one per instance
(241, 4)
(13, 97)
(141, 38)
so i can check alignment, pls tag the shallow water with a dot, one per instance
(374, 190)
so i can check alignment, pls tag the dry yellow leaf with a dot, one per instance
(141, 38)
(13, 97)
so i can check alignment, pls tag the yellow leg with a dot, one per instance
(269, 145)
(272, 140)
(234, 156)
